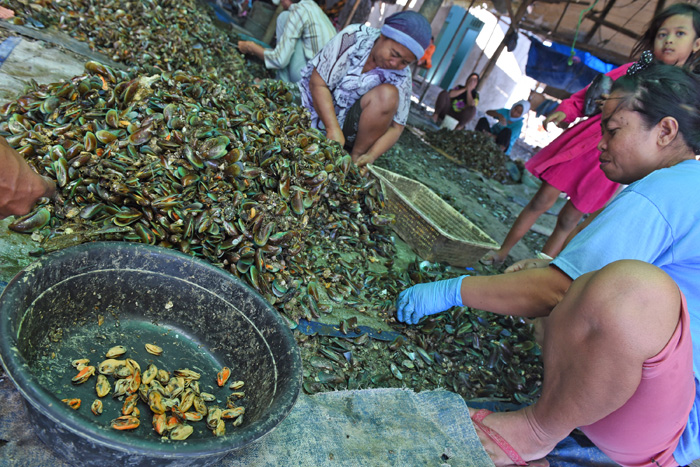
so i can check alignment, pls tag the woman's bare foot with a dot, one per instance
(515, 430)
(493, 258)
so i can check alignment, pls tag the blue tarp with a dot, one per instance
(550, 65)
(7, 46)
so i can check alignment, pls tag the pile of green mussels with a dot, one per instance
(475, 150)
(233, 175)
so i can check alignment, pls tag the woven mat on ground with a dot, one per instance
(378, 427)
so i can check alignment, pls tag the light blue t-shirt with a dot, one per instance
(656, 220)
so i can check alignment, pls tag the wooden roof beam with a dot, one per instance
(557, 2)
(659, 7)
(563, 13)
(627, 32)
(513, 28)
(596, 26)
(509, 5)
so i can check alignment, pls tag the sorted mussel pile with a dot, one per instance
(176, 400)
(475, 150)
(166, 34)
(232, 175)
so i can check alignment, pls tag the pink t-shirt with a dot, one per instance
(650, 424)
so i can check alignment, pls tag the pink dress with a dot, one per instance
(570, 162)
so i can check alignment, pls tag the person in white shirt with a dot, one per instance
(302, 31)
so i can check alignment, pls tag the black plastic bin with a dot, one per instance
(80, 301)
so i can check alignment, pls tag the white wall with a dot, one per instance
(507, 82)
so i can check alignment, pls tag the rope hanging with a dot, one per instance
(578, 25)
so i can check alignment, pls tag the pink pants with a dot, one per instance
(645, 431)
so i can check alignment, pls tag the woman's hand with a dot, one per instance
(530, 263)
(365, 159)
(336, 134)
(557, 118)
(427, 299)
(456, 92)
(251, 48)
(20, 186)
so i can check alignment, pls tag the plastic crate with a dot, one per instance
(435, 230)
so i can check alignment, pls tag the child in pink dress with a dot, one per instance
(569, 164)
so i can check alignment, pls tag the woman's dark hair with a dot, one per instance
(475, 95)
(664, 91)
(646, 40)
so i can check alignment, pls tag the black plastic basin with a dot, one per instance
(79, 302)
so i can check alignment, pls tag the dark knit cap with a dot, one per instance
(409, 29)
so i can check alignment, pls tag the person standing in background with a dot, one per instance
(569, 164)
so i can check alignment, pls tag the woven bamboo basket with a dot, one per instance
(434, 230)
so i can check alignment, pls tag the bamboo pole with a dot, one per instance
(348, 20)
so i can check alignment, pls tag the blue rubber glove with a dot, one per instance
(427, 299)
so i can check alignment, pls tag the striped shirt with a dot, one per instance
(308, 23)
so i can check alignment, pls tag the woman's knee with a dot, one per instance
(630, 298)
(384, 97)
(466, 115)
(483, 124)
(442, 99)
(503, 138)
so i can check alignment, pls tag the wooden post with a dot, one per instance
(513, 26)
(352, 13)
(439, 63)
(429, 9)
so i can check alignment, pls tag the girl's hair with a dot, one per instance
(664, 91)
(475, 95)
(646, 40)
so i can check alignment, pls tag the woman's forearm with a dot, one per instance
(457, 92)
(470, 99)
(323, 104)
(529, 293)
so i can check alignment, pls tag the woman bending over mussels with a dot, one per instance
(358, 87)
(622, 299)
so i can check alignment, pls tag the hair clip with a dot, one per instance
(643, 63)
